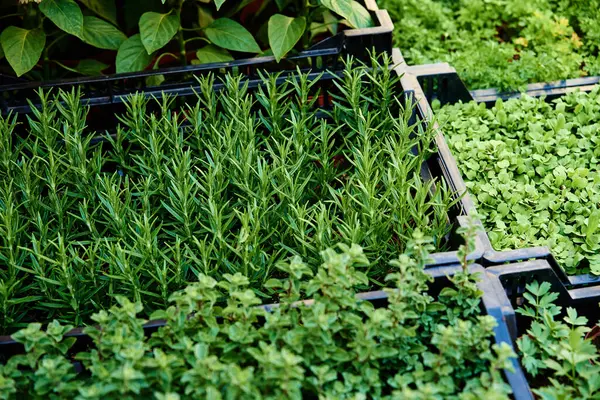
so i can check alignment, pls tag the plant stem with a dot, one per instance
(180, 37)
(46, 64)
(10, 15)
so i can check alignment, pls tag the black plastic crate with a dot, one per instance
(490, 306)
(112, 89)
(509, 282)
(551, 90)
(436, 167)
(441, 82)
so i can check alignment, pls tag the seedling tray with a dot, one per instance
(441, 82)
(112, 89)
(509, 281)
(490, 306)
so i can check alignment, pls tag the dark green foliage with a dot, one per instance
(560, 359)
(334, 347)
(501, 43)
(532, 168)
(46, 39)
(251, 179)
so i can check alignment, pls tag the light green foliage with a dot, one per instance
(532, 168)
(501, 43)
(555, 351)
(169, 28)
(284, 33)
(251, 179)
(230, 35)
(156, 30)
(132, 55)
(218, 344)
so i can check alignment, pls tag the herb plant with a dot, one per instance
(236, 181)
(38, 37)
(532, 168)
(218, 344)
(556, 351)
(501, 43)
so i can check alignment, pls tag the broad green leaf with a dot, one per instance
(284, 33)
(155, 80)
(101, 34)
(351, 10)
(132, 55)
(22, 48)
(317, 28)
(91, 67)
(157, 30)
(205, 17)
(133, 10)
(592, 226)
(230, 35)
(1, 52)
(65, 14)
(282, 4)
(212, 53)
(103, 8)
(219, 3)
(330, 21)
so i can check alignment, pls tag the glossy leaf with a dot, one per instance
(284, 33)
(212, 53)
(219, 3)
(65, 14)
(205, 17)
(132, 55)
(155, 80)
(352, 11)
(91, 67)
(331, 22)
(102, 34)
(103, 8)
(156, 30)
(230, 35)
(22, 48)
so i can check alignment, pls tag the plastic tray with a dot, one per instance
(509, 281)
(441, 82)
(111, 89)
(434, 167)
(490, 306)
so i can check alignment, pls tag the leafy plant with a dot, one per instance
(532, 169)
(555, 351)
(501, 43)
(218, 344)
(186, 31)
(235, 181)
